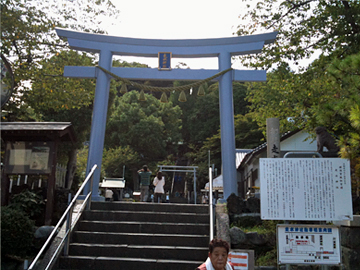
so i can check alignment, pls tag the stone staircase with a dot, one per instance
(127, 235)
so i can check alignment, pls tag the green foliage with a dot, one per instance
(149, 127)
(201, 114)
(28, 202)
(115, 158)
(247, 136)
(327, 94)
(81, 158)
(269, 259)
(305, 27)
(29, 40)
(50, 91)
(16, 232)
(266, 228)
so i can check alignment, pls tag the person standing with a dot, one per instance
(144, 175)
(159, 182)
(218, 255)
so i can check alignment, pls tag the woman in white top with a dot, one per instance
(159, 182)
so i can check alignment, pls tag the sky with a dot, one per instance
(185, 19)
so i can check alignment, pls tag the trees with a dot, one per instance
(28, 36)
(37, 57)
(150, 128)
(305, 27)
(326, 93)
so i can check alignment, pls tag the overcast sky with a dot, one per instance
(185, 19)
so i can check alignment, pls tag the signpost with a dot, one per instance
(308, 244)
(242, 259)
(308, 189)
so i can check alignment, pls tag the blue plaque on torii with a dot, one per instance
(222, 48)
(164, 60)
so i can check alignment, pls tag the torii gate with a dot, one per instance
(222, 48)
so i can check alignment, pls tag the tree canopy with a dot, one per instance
(28, 37)
(325, 93)
(305, 27)
(149, 127)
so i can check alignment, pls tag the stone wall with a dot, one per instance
(350, 243)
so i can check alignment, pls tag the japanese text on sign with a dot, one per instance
(164, 60)
(308, 244)
(305, 189)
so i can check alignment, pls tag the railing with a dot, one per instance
(69, 225)
(211, 207)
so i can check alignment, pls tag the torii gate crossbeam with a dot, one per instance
(222, 48)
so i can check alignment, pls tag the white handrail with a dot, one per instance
(211, 205)
(70, 207)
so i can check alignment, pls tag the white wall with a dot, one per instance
(297, 143)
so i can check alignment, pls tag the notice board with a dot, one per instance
(308, 244)
(305, 189)
(25, 157)
(242, 259)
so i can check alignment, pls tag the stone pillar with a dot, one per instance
(273, 137)
(222, 223)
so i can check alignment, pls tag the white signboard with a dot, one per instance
(241, 259)
(308, 244)
(305, 189)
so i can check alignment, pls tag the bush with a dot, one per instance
(16, 232)
(29, 202)
(269, 259)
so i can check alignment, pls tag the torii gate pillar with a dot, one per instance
(223, 48)
(227, 129)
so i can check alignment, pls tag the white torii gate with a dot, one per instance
(222, 48)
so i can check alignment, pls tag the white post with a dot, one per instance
(11, 183)
(211, 205)
(195, 186)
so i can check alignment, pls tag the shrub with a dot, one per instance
(29, 202)
(16, 232)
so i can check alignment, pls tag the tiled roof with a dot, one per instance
(263, 147)
(22, 130)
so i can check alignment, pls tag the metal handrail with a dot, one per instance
(67, 214)
(302, 153)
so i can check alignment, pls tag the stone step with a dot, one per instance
(139, 251)
(142, 216)
(141, 238)
(111, 263)
(151, 207)
(128, 235)
(143, 227)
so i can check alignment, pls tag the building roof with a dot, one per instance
(240, 155)
(37, 131)
(261, 148)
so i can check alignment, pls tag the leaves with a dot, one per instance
(304, 27)
(148, 127)
(29, 40)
